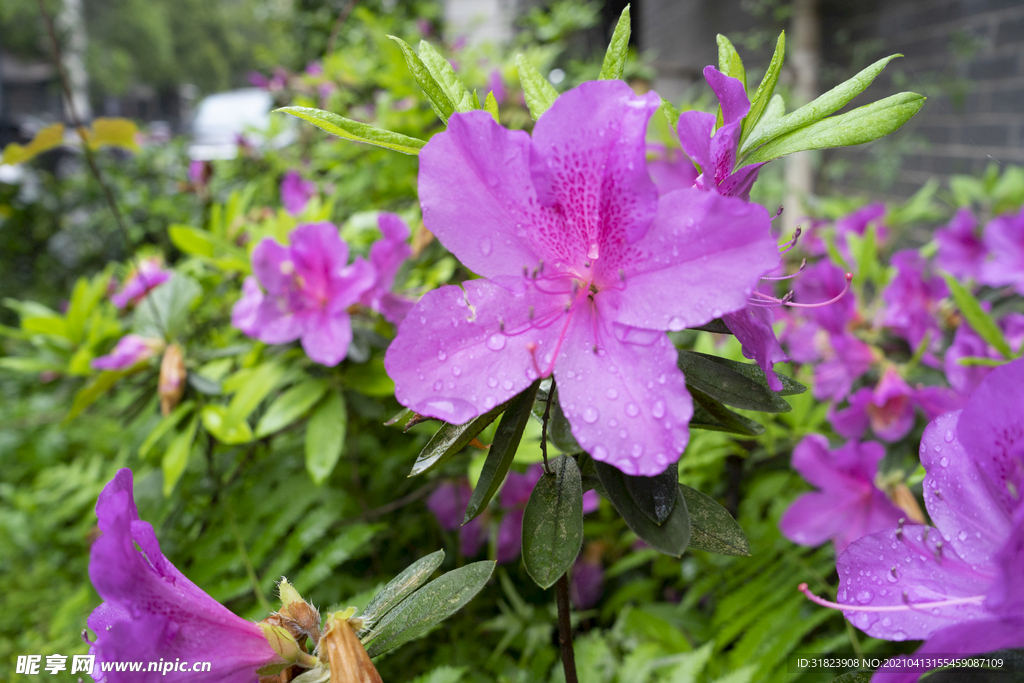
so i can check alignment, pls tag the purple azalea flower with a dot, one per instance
(515, 494)
(961, 252)
(387, 255)
(496, 84)
(845, 359)
(152, 611)
(1004, 240)
(309, 287)
(849, 505)
(966, 342)
(586, 268)
(753, 328)
(130, 349)
(858, 221)
(715, 150)
(959, 585)
(448, 503)
(888, 409)
(825, 281)
(670, 169)
(912, 299)
(586, 582)
(148, 276)
(296, 192)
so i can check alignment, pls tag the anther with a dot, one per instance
(893, 572)
(531, 313)
(786, 246)
(622, 275)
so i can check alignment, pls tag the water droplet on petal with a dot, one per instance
(962, 536)
(632, 409)
(949, 436)
(456, 370)
(658, 410)
(899, 635)
(600, 453)
(492, 382)
(865, 596)
(485, 246)
(438, 385)
(944, 461)
(590, 415)
(496, 342)
(637, 450)
(442, 356)
(611, 394)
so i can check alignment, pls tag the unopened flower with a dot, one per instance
(151, 611)
(296, 192)
(961, 251)
(387, 255)
(172, 378)
(309, 286)
(584, 267)
(131, 349)
(848, 504)
(148, 275)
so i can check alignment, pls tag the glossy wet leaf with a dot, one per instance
(763, 94)
(671, 538)
(553, 523)
(428, 606)
(790, 386)
(436, 95)
(400, 587)
(539, 93)
(356, 131)
(712, 527)
(325, 436)
(450, 439)
(655, 496)
(445, 76)
(215, 421)
(717, 326)
(618, 48)
(712, 415)
(726, 384)
(253, 389)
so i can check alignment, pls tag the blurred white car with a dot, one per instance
(221, 118)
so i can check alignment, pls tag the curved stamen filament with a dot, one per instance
(972, 600)
(786, 246)
(837, 297)
(803, 266)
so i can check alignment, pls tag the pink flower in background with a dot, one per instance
(586, 582)
(584, 267)
(514, 495)
(670, 169)
(1004, 240)
(296, 192)
(848, 505)
(858, 222)
(496, 84)
(448, 503)
(151, 611)
(961, 251)
(845, 358)
(912, 299)
(141, 282)
(387, 255)
(308, 287)
(753, 328)
(130, 350)
(825, 281)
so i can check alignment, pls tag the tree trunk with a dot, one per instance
(805, 36)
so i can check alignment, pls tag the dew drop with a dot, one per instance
(658, 410)
(456, 370)
(492, 382)
(485, 246)
(611, 394)
(442, 356)
(623, 434)
(962, 536)
(865, 596)
(899, 635)
(676, 323)
(496, 342)
(590, 415)
(637, 450)
(600, 453)
(944, 461)
(949, 436)
(507, 384)
(632, 409)
(887, 622)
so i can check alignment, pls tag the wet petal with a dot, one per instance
(694, 129)
(730, 93)
(753, 328)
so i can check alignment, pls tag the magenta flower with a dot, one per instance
(586, 582)
(130, 349)
(514, 495)
(966, 343)
(670, 169)
(959, 585)
(1004, 240)
(296, 192)
(849, 505)
(753, 328)
(309, 287)
(585, 269)
(912, 299)
(845, 359)
(858, 221)
(496, 84)
(151, 611)
(448, 503)
(387, 255)
(961, 252)
(824, 281)
(140, 282)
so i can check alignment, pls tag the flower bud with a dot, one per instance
(348, 658)
(172, 378)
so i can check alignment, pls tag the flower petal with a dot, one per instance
(243, 313)
(694, 129)
(730, 93)
(753, 328)
(327, 338)
(320, 256)
(269, 260)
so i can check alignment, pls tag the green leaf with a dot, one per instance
(713, 528)
(450, 439)
(559, 429)
(831, 102)
(94, 389)
(400, 587)
(176, 456)
(491, 107)
(974, 361)
(540, 94)
(712, 415)
(733, 388)
(716, 326)
(354, 130)
(443, 73)
(864, 124)
(618, 48)
(790, 386)
(192, 241)
(165, 311)
(165, 425)
(325, 437)
(670, 112)
(765, 90)
(84, 298)
(729, 62)
(852, 677)
(260, 382)
(502, 451)
(215, 420)
(290, 406)
(977, 318)
(655, 496)
(553, 523)
(428, 606)
(370, 378)
(439, 100)
(671, 538)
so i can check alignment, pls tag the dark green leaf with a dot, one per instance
(290, 406)
(713, 528)
(204, 385)
(559, 429)
(729, 386)
(712, 415)
(864, 124)
(400, 587)
(450, 439)
(655, 496)
(553, 523)
(977, 318)
(443, 73)
(670, 538)
(789, 385)
(354, 130)
(428, 606)
(325, 436)
(764, 92)
(717, 326)
(615, 57)
(540, 94)
(852, 677)
(502, 451)
(439, 100)
(165, 310)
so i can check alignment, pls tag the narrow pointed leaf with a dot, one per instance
(977, 317)
(442, 71)
(290, 406)
(655, 496)
(671, 538)
(175, 458)
(553, 523)
(400, 587)
(450, 439)
(763, 94)
(428, 606)
(618, 48)
(325, 436)
(540, 94)
(864, 124)
(491, 107)
(729, 62)
(165, 425)
(729, 386)
(829, 103)
(717, 326)
(713, 528)
(439, 100)
(670, 112)
(789, 385)
(502, 451)
(354, 130)
(710, 414)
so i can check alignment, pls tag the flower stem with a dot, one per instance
(544, 429)
(565, 629)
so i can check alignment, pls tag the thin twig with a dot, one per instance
(565, 629)
(338, 23)
(399, 502)
(544, 429)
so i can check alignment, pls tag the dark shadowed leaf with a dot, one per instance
(726, 384)
(670, 538)
(713, 528)
(400, 587)
(712, 415)
(789, 385)
(852, 677)
(655, 496)
(553, 523)
(502, 451)
(717, 326)
(615, 57)
(450, 439)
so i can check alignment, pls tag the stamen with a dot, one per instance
(777, 213)
(906, 607)
(803, 266)
(849, 279)
(786, 246)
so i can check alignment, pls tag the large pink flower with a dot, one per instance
(585, 269)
